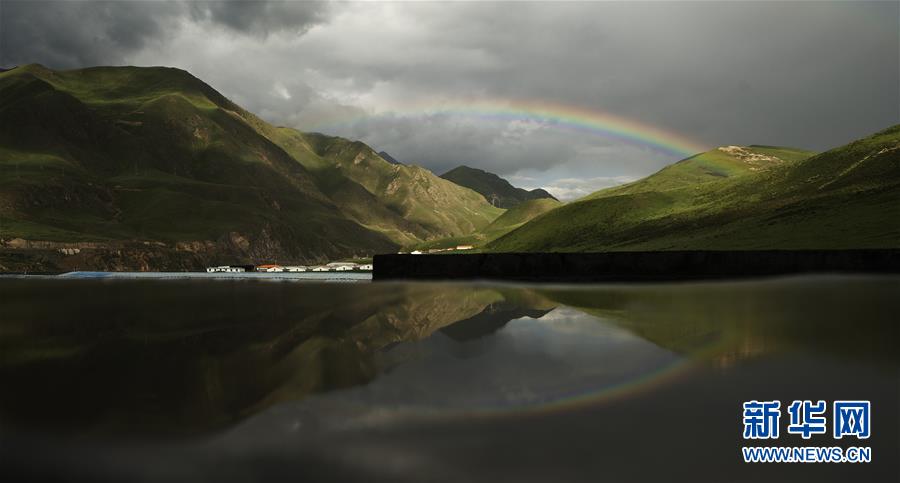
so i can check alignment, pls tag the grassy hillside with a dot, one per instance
(508, 221)
(518, 216)
(406, 202)
(727, 162)
(154, 155)
(352, 198)
(157, 160)
(387, 157)
(495, 189)
(730, 199)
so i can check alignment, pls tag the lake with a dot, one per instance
(151, 378)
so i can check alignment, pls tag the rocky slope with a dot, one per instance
(498, 191)
(152, 169)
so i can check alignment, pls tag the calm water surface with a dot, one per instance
(125, 379)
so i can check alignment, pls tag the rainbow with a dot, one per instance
(667, 374)
(550, 114)
(645, 384)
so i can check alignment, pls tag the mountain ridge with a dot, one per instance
(845, 197)
(498, 191)
(150, 168)
(156, 160)
(387, 157)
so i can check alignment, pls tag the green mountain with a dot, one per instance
(406, 203)
(727, 162)
(494, 188)
(505, 223)
(387, 157)
(753, 197)
(518, 216)
(151, 168)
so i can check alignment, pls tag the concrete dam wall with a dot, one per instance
(633, 266)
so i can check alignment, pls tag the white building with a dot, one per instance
(366, 266)
(341, 264)
(224, 268)
(321, 269)
(269, 268)
(299, 268)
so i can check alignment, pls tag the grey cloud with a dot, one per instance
(567, 189)
(72, 33)
(67, 34)
(261, 18)
(808, 74)
(443, 141)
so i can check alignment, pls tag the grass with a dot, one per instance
(407, 203)
(116, 89)
(713, 166)
(155, 154)
(508, 221)
(494, 188)
(843, 198)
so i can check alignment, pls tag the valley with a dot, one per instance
(127, 168)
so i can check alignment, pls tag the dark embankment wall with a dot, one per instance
(634, 266)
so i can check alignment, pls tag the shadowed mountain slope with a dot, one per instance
(406, 202)
(156, 156)
(151, 168)
(495, 189)
(505, 223)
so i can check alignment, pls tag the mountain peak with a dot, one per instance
(387, 157)
(498, 191)
(722, 162)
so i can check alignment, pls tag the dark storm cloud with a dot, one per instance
(444, 141)
(805, 74)
(77, 33)
(261, 18)
(73, 34)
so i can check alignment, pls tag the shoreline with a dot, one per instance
(196, 275)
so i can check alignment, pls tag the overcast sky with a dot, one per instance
(806, 74)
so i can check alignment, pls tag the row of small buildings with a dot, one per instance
(273, 268)
(439, 250)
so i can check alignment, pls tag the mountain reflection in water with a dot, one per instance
(409, 381)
